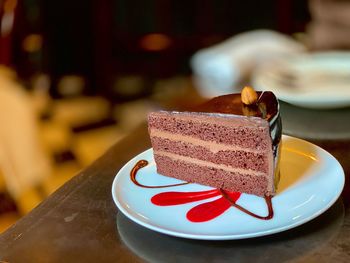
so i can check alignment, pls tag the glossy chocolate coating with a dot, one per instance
(232, 104)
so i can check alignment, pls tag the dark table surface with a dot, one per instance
(80, 223)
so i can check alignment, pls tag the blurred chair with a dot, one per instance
(23, 163)
(330, 25)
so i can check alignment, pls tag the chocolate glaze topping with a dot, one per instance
(232, 104)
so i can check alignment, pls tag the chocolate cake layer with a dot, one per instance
(218, 178)
(227, 155)
(248, 132)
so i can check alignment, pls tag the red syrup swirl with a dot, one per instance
(202, 212)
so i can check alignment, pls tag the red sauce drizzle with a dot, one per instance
(178, 198)
(202, 212)
(210, 210)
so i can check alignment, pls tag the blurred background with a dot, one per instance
(77, 76)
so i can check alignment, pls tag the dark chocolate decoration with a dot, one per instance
(139, 165)
(268, 200)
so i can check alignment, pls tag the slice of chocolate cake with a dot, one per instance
(225, 144)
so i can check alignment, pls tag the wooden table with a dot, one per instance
(80, 223)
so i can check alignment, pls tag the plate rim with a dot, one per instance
(231, 236)
(299, 98)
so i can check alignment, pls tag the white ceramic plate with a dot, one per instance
(316, 80)
(311, 181)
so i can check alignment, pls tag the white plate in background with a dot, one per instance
(315, 80)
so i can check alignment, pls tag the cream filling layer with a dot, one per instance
(208, 164)
(210, 145)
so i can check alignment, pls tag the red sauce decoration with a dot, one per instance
(202, 212)
(178, 198)
(210, 210)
